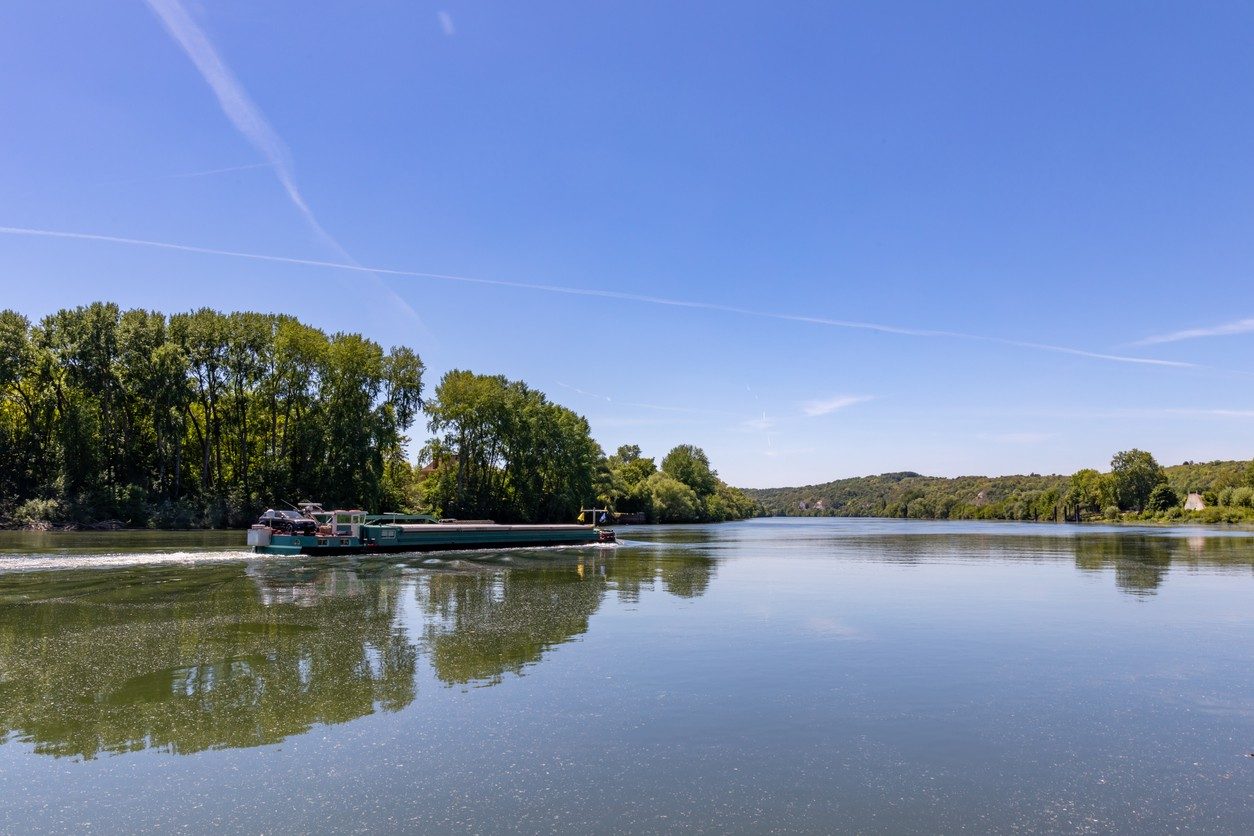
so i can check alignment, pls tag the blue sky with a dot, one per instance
(680, 217)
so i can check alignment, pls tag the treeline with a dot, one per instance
(1135, 488)
(684, 489)
(195, 419)
(501, 450)
(204, 419)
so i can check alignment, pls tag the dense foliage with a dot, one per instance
(1136, 487)
(685, 489)
(205, 418)
(501, 450)
(195, 419)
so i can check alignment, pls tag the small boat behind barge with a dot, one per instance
(315, 531)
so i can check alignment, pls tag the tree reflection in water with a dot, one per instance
(192, 658)
(195, 657)
(483, 623)
(1141, 562)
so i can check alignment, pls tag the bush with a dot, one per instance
(1225, 514)
(168, 514)
(39, 512)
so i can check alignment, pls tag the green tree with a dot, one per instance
(672, 500)
(690, 465)
(1087, 492)
(628, 472)
(503, 450)
(351, 382)
(1136, 474)
(1162, 498)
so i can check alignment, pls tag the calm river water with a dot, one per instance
(770, 675)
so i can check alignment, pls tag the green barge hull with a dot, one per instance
(422, 537)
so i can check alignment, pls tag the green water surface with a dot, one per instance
(770, 675)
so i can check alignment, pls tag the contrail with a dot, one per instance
(226, 170)
(186, 174)
(235, 102)
(659, 407)
(601, 294)
(247, 118)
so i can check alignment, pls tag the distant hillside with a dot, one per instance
(1030, 497)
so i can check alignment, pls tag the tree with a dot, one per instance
(25, 413)
(672, 500)
(1162, 498)
(1136, 474)
(628, 453)
(351, 383)
(503, 450)
(690, 465)
(1087, 492)
(625, 488)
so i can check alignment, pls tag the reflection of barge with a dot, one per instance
(314, 531)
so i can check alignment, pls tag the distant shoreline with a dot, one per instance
(1135, 490)
(1242, 525)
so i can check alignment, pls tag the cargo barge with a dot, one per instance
(315, 531)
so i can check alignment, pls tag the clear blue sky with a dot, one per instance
(1015, 175)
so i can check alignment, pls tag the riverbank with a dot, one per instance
(105, 525)
(1136, 489)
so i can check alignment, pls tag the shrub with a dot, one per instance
(168, 514)
(39, 512)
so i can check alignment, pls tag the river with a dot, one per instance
(769, 675)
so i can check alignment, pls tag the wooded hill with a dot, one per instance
(1135, 487)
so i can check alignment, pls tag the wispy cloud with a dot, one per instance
(247, 118)
(1241, 326)
(1022, 437)
(584, 392)
(691, 410)
(1120, 413)
(446, 23)
(601, 294)
(1210, 413)
(774, 452)
(602, 422)
(814, 409)
(759, 424)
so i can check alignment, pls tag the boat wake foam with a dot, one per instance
(52, 562)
